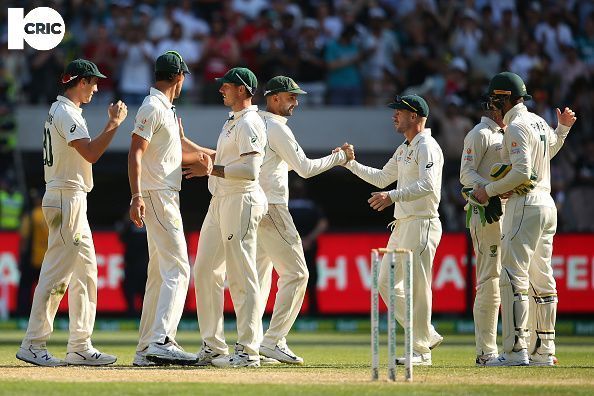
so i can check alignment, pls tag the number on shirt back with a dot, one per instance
(48, 155)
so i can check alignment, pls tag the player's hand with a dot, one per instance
(349, 150)
(137, 210)
(567, 118)
(202, 167)
(506, 195)
(117, 112)
(380, 200)
(480, 194)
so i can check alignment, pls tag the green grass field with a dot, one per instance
(336, 364)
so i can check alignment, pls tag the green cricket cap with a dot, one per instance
(282, 84)
(81, 68)
(508, 83)
(171, 62)
(241, 76)
(412, 103)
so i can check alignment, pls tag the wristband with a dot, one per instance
(135, 196)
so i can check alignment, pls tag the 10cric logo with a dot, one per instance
(42, 28)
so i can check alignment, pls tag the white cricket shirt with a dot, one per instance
(482, 149)
(242, 133)
(417, 166)
(63, 166)
(156, 122)
(529, 144)
(283, 154)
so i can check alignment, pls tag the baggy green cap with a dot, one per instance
(241, 76)
(81, 68)
(508, 83)
(282, 84)
(171, 62)
(412, 103)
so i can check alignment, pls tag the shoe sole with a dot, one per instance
(23, 359)
(508, 365)
(232, 366)
(287, 360)
(89, 364)
(178, 362)
(533, 364)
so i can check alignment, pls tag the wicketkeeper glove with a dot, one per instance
(493, 210)
(499, 170)
(473, 205)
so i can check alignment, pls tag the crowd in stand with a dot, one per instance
(344, 53)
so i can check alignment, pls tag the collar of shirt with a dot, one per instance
(277, 117)
(68, 102)
(491, 124)
(233, 115)
(514, 112)
(424, 132)
(161, 96)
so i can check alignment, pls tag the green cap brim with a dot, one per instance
(275, 91)
(185, 68)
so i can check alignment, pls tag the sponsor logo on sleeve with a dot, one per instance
(72, 128)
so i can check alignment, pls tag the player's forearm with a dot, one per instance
(189, 146)
(562, 131)
(419, 189)
(96, 147)
(470, 177)
(374, 176)
(134, 171)
(247, 168)
(512, 180)
(307, 168)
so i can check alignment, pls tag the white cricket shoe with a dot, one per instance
(481, 360)
(417, 359)
(140, 360)
(90, 357)
(435, 340)
(169, 352)
(205, 355)
(238, 359)
(39, 356)
(542, 360)
(519, 358)
(282, 353)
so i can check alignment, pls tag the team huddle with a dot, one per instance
(248, 230)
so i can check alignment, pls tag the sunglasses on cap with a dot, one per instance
(399, 100)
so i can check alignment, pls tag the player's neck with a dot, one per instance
(413, 132)
(167, 89)
(242, 104)
(70, 95)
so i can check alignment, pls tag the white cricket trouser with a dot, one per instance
(168, 273)
(421, 235)
(227, 244)
(486, 240)
(279, 245)
(527, 249)
(69, 262)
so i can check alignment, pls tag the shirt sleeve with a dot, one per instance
(251, 138)
(284, 144)
(378, 177)
(517, 144)
(557, 138)
(145, 123)
(430, 163)
(475, 147)
(73, 127)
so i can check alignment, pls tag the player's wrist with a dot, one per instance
(136, 197)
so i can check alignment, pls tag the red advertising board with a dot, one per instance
(343, 272)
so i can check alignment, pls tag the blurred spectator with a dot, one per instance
(585, 43)
(343, 56)
(330, 24)
(585, 164)
(249, 8)
(311, 69)
(43, 64)
(189, 49)
(553, 33)
(12, 202)
(310, 222)
(523, 62)
(192, 26)
(8, 123)
(136, 68)
(161, 25)
(276, 55)
(104, 53)
(136, 260)
(221, 53)
(569, 69)
(32, 246)
(487, 60)
(466, 37)
(379, 69)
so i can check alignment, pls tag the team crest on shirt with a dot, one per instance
(408, 157)
(493, 249)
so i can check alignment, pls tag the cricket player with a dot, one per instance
(279, 244)
(228, 236)
(482, 150)
(417, 166)
(69, 262)
(529, 224)
(154, 170)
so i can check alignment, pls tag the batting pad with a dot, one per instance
(514, 314)
(545, 318)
